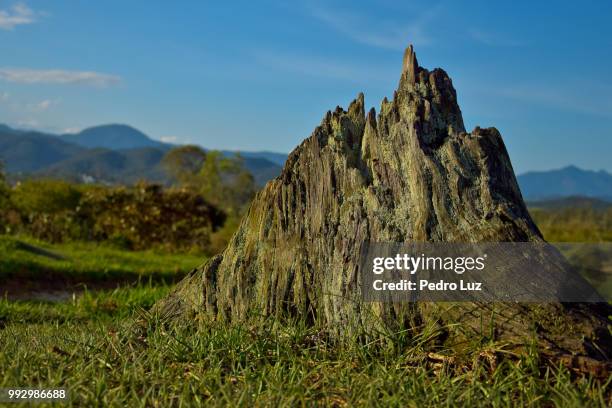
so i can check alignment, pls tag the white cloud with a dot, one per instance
(28, 123)
(58, 76)
(18, 14)
(394, 35)
(169, 139)
(44, 105)
(18, 105)
(71, 130)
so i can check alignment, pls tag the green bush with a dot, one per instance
(147, 216)
(44, 208)
(141, 217)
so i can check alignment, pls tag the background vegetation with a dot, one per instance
(197, 213)
(574, 224)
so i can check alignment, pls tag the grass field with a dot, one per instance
(86, 343)
(88, 347)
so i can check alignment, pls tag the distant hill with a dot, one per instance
(29, 151)
(113, 136)
(108, 153)
(112, 166)
(121, 137)
(566, 182)
(131, 165)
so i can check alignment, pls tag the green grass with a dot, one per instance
(87, 343)
(88, 349)
(118, 303)
(30, 260)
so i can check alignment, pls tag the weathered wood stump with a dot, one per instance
(412, 173)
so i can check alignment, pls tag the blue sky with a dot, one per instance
(260, 75)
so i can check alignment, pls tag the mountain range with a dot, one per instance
(565, 182)
(118, 153)
(108, 153)
(115, 137)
